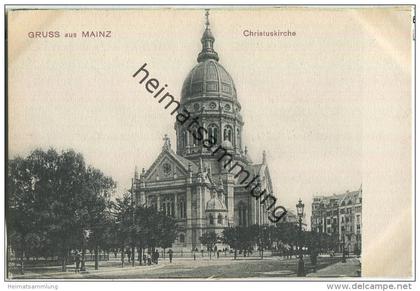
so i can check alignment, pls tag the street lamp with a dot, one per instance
(343, 260)
(301, 265)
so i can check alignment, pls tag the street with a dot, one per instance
(203, 268)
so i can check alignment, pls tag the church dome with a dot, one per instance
(208, 78)
(227, 145)
(215, 204)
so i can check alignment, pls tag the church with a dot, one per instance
(189, 183)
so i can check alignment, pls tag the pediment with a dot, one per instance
(167, 166)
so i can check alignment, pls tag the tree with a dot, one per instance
(141, 227)
(97, 190)
(231, 238)
(209, 239)
(52, 199)
(262, 236)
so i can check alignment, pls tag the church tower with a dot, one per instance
(191, 183)
(209, 94)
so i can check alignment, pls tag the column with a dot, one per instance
(188, 231)
(176, 205)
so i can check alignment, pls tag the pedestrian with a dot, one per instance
(144, 259)
(129, 255)
(218, 253)
(149, 259)
(156, 257)
(77, 261)
(170, 252)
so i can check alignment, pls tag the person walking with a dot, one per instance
(77, 261)
(170, 252)
(156, 257)
(149, 259)
(128, 252)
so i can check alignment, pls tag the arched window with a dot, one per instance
(213, 131)
(211, 219)
(195, 141)
(182, 209)
(219, 219)
(238, 138)
(185, 138)
(227, 133)
(167, 206)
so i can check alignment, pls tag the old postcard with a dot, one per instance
(221, 143)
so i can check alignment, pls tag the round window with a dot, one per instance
(213, 105)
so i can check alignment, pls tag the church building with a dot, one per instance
(189, 183)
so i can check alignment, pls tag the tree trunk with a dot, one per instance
(64, 261)
(122, 257)
(21, 261)
(139, 254)
(96, 257)
(82, 266)
(133, 255)
(234, 255)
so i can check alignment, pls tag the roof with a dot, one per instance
(208, 78)
(215, 204)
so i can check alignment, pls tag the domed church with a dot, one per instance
(190, 183)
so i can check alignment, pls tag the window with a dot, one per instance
(211, 219)
(213, 131)
(238, 138)
(242, 214)
(227, 133)
(194, 137)
(182, 208)
(167, 206)
(219, 219)
(182, 238)
(185, 138)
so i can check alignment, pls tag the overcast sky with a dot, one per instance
(305, 99)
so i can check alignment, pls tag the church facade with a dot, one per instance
(189, 182)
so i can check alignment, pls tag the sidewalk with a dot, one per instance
(70, 274)
(351, 268)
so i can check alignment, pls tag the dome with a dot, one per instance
(227, 145)
(215, 204)
(208, 78)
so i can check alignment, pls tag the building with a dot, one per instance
(190, 183)
(340, 215)
(292, 217)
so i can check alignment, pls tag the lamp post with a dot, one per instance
(344, 248)
(301, 265)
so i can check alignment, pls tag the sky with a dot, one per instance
(325, 104)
